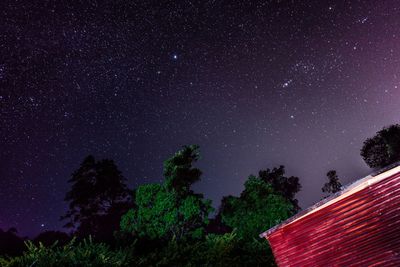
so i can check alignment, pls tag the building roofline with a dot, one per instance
(344, 192)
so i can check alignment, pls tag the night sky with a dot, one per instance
(255, 83)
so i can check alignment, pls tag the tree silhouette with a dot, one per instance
(178, 171)
(48, 238)
(97, 199)
(333, 185)
(287, 186)
(10, 243)
(383, 149)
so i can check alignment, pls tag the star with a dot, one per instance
(137, 90)
(287, 83)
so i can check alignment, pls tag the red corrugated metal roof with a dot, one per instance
(359, 226)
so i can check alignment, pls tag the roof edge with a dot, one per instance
(326, 201)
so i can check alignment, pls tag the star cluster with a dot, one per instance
(255, 83)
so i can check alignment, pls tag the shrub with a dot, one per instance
(85, 253)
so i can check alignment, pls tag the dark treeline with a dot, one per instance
(168, 224)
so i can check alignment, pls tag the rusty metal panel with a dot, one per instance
(362, 228)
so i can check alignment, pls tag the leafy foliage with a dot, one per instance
(85, 253)
(259, 207)
(179, 172)
(286, 186)
(383, 149)
(97, 199)
(214, 250)
(170, 209)
(168, 224)
(333, 185)
(262, 204)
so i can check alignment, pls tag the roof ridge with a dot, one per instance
(326, 201)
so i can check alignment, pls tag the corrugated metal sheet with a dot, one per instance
(358, 227)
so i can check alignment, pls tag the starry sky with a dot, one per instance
(255, 83)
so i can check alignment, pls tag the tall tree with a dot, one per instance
(258, 208)
(179, 172)
(10, 243)
(170, 209)
(382, 149)
(333, 185)
(287, 186)
(97, 199)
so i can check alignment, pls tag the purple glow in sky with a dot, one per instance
(256, 84)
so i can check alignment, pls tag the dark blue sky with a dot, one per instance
(256, 84)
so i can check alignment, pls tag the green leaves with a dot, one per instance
(190, 208)
(258, 208)
(74, 254)
(167, 224)
(170, 210)
(161, 213)
(178, 171)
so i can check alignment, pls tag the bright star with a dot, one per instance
(287, 83)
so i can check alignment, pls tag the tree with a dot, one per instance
(97, 199)
(171, 209)
(258, 208)
(85, 253)
(383, 149)
(286, 186)
(333, 185)
(178, 171)
(49, 238)
(10, 243)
